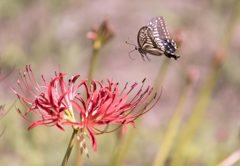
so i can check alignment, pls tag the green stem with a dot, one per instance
(196, 117)
(172, 130)
(121, 149)
(232, 159)
(161, 74)
(93, 66)
(69, 149)
(205, 95)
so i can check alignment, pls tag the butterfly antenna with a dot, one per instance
(132, 43)
(129, 54)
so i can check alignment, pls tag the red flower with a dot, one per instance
(49, 106)
(105, 106)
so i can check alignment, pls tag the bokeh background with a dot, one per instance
(46, 34)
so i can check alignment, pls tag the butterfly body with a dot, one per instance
(154, 39)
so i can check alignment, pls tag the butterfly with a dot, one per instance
(154, 39)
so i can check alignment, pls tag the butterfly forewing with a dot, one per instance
(158, 28)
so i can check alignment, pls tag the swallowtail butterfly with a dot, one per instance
(154, 39)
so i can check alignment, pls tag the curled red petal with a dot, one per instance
(93, 139)
(60, 127)
(77, 107)
(74, 124)
(40, 122)
(124, 128)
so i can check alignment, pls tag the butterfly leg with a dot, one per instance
(142, 56)
(149, 60)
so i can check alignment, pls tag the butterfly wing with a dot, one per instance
(160, 35)
(143, 38)
(158, 28)
(146, 42)
(154, 39)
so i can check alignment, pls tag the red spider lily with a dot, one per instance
(49, 106)
(104, 106)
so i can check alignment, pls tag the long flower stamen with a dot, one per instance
(37, 88)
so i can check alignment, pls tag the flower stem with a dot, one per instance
(93, 65)
(205, 95)
(232, 159)
(69, 149)
(172, 129)
(161, 74)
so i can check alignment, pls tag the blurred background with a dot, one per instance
(46, 34)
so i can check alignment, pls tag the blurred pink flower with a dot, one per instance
(100, 35)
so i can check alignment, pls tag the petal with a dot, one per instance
(74, 124)
(51, 96)
(102, 111)
(64, 95)
(80, 84)
(94, 102)
(62, 83)
(121, 102)
(94, 86)
(94, 98)
(124, 128)
(78, 108)
(40, 122)
(116, 92)
(63, 109)
(93, 139)
(43, 108)
(99, 123)
(132, 123)
(75, 78)
(60, 127)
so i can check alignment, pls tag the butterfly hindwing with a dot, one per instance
(143, 38)
(146, 42)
